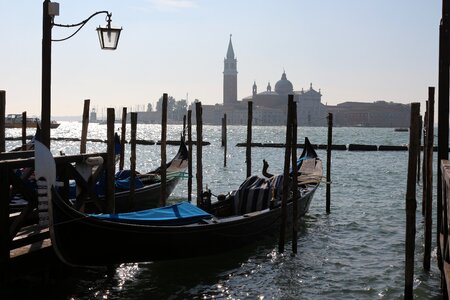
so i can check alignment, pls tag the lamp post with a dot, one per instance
(108, 37)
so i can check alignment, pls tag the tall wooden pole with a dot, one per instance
(110, 162)
(189, 126)
(294, 176)
(329, 146)
(84, 126)
(184, 127)
(46, 73)
(248, 152)
(443, 108)
(411, 202)
(225, 143)
(223, 134)
(429, 196)
(122, 138)
(287, 158)
(2, 120)
(133, 124)
(425, 159)
(418, 154)
(24, 130)
(5, 241)
(199, 121)
(162, 201)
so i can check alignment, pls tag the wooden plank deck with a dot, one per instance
(444, 236)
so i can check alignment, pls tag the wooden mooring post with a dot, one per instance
(133, 120)
(189, 128)
(224, 139)
(123, 132)
(411, 202)
(248, 152)
(294, 176)
(425, 157)
(84, 126)
(287, 159)
(184, 127)
(199, 122)
(429, 179)
(418, 154)
(110, 162)
(162, 200)
(4, 225)
(24, 130)
(329, 146)
(2, 120)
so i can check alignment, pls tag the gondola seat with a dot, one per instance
(255, 194)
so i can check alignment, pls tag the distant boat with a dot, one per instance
(401, 129)
(15, 121)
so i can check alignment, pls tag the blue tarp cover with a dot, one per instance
(124, 184)
(178, 214)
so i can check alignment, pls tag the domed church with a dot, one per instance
(310, 109)
(269, 98)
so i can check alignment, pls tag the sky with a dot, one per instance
(352, 50)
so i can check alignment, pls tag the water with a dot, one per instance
(356, 252)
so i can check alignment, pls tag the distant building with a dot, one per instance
(93, 116)
(375, 114)
(270, 106)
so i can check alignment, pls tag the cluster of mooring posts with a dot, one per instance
(426, 208)
(442, 171)
(25, 244)
(290, 159)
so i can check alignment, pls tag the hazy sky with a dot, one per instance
(353, 50)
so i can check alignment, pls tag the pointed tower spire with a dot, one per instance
(230, 52)
(230, 77)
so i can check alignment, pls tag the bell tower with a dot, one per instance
(230, 77)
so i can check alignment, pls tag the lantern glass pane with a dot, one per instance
(108, 37)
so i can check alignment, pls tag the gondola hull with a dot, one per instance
(82, 240)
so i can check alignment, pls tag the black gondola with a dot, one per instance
(182, 230)
(148, 185)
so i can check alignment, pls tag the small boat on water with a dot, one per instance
(147, 185)
(401, 129)
(15, 121)
(182, 230)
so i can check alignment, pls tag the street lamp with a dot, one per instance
(108, 37)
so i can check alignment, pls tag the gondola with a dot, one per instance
(147, 185)
(182, 230)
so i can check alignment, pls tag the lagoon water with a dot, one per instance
(356, 252)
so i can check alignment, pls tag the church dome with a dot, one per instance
(284, 86)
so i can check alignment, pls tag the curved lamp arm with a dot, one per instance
(82, 23)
